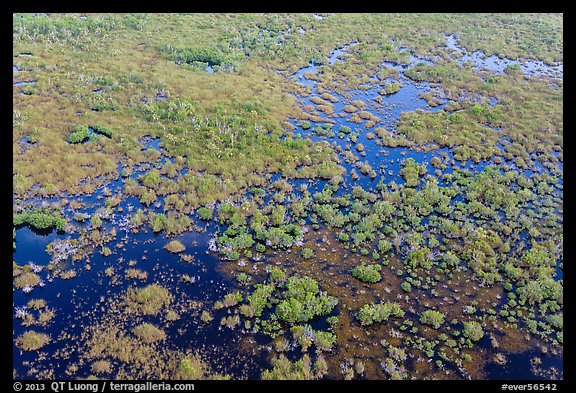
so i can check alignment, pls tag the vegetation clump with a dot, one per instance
(136, 274)
(175, 247)
(302, 369)
(148, 300)
(101, 367)
(205, 213)
(193, 368)
(32, 341)
(367, 273)
(411, 172)
(36, 304)
(303, 300)
(305, 336)
(26, 280)
(307, 253)
(102, 130)
(40, 219)
(79, 134)
(433, 318)
(380, 312)
(149, 333)
(473, 330)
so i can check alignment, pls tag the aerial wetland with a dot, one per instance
(288, 196)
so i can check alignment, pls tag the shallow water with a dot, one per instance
(519, 366)
(22, 83)
(497, 64)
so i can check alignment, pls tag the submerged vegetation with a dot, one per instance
(355, 196)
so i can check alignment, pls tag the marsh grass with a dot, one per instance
(101, 367)
(148, 300)
(68, 274)
(32, 341)
(28, 279)
(136, 274)
(175, 247)
(149, 333)
(253, 82)
(438, 238)
(36, 304)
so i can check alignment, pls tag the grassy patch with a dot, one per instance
(175, 247)
(148, 300)
(101, 367)
(28, 279)
(149, 333)
(32, 341)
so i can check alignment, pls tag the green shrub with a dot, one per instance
(307, 253)
(258, 299)
(277, 276)
(257, 191)
(210, 56)
(345, 130)
(243, 278)
(343, 237)
(473, 330)
(384, 246)
(556, 321)
(102, 130)
(323, 131)
(303, 300)
(367, 273)
(40, 220)
(79, 134)
(411, 172)
(432, 318)
(205, 213)
(377, 313)
(95, 222)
